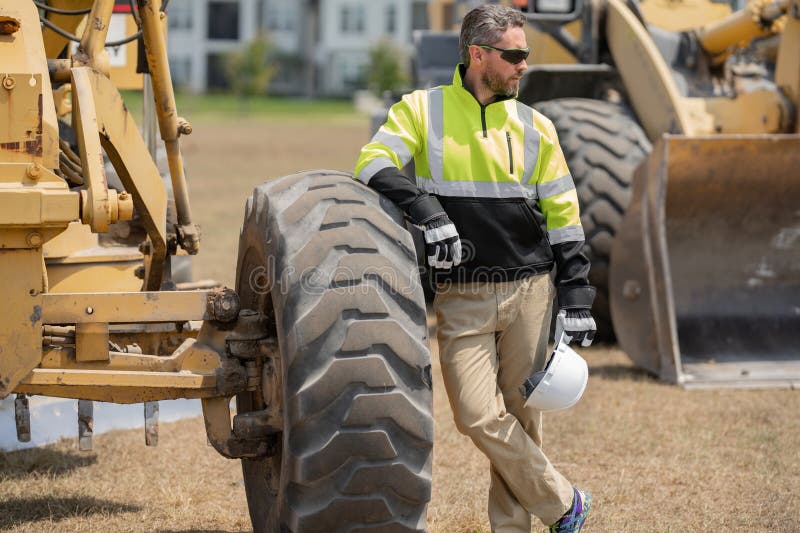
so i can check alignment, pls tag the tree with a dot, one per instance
(251, 69)
(386, 70)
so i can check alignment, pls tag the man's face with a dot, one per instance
(500, 76)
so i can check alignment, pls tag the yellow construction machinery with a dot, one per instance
(323, 342)
(679, 121)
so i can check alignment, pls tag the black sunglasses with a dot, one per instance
(512, 55)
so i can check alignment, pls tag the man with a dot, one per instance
(491, 176)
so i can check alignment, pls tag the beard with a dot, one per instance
(499, 85)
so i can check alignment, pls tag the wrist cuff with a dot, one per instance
(425, 208)
(580, 297)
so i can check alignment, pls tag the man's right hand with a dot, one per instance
(577, 325)
(442, 244)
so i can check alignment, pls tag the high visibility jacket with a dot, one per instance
(497, 171)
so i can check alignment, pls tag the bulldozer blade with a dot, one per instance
(705, 269)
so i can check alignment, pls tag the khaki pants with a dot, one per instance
(492, 336)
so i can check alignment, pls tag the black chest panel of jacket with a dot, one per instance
(502, 239)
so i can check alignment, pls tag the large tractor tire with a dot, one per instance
(328, 261)
(603, 145)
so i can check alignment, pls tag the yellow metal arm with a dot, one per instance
(757, 19)
(168, 121)
(115, 129)
(91, 51)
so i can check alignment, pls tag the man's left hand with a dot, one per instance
(578, 325)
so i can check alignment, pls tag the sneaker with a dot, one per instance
(572, 521)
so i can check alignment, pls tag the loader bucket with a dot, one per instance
(705, 268)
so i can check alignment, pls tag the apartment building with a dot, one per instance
(324, 44)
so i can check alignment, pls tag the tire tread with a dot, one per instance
(352, 328)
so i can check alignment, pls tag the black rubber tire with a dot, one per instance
(603, 145)
(329, 260)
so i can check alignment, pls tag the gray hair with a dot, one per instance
(486, 24)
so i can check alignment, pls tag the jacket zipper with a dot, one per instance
(483, 120)
(510, 154)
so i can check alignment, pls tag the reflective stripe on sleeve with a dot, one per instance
(555, 187)
(531, 140)
(477, 189)
(436, 132)
(565, 234)
(373, 167)
(395, 144)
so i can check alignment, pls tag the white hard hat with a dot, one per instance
(562, 382)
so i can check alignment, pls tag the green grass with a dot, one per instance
(221, 105)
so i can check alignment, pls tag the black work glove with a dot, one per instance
(578, 325)
(442, 244)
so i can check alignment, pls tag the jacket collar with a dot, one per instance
(458, 81)
(458, 75)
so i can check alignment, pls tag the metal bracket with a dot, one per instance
(223, 305)
(257, 425)
(231, 377)
(217, 416)
(91, 341)
(85, 425)
(151, 423)
(251, 338)
(22, 416)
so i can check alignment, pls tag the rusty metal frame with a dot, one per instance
(131, 160)
(100, 206)
(91, 370)
(101, 122)
(98, 105)
(126, 307)
(91, 50)
(120, 386)
(191, 372)
(63, 344)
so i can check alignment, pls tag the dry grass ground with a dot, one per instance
(657, 458)
(226, 161)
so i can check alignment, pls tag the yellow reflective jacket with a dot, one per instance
(498, 172)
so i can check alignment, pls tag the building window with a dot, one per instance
(391, 19)
(419, 16)
(223, 20)
(360, 16)
(216, 78)
(280, 17)
(179, 15)
(352, 19)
